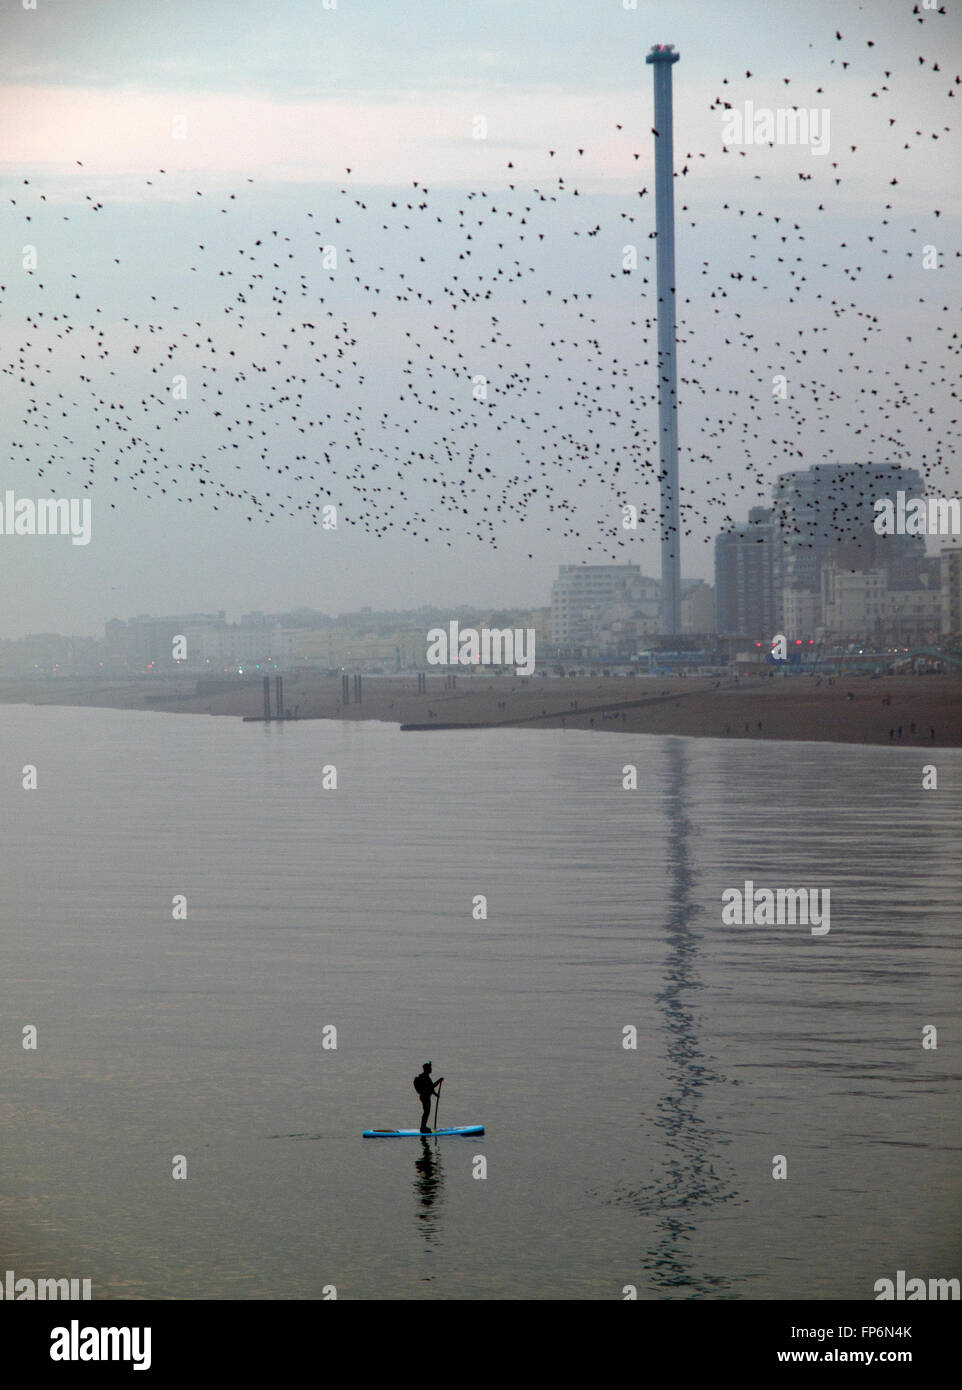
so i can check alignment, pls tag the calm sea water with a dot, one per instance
(606, 1166)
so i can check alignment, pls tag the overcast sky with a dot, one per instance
(213, 270)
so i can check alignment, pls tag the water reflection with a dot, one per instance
(429, 1190)
(689, 1183)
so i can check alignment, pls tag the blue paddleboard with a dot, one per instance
(417, 1134)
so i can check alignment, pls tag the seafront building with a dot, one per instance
(911, 616)
(381, 647)
(598, 613)
(826, 513)
(194, 643)
(950, 590)
(585, 599)
(697, 606)
(745, 603)
(860, 604)
(853, 602)
(612, 612)
(50, 655)
(813, 562)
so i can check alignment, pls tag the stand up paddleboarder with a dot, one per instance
(426, 1089)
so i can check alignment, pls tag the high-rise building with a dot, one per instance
(697, 606)
(584, 598)
(744, 579)
(827, 513)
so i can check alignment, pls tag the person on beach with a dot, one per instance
(426, 1089)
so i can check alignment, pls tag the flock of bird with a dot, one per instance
(480, 359)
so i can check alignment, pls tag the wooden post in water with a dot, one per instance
(267, 699)
(279, 695)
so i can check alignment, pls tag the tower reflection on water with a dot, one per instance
(689, 1184)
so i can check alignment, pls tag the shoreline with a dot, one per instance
(923, 711)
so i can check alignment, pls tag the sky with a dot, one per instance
(179, 174)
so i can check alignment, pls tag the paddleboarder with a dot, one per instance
(426, 1089)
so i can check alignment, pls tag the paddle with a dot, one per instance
(437, 1099)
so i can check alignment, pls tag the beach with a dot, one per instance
(903, 709)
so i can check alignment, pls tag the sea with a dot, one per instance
(227, 948)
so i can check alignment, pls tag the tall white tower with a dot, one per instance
(661, 57)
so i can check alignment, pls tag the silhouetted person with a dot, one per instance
(426, 1089)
